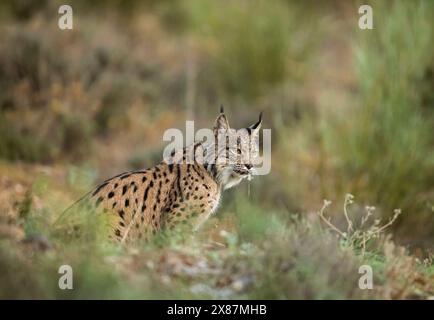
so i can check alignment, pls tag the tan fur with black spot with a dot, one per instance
(173, 192)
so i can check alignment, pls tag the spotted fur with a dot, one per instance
(172, 193)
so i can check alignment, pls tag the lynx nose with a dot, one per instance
(248, 166)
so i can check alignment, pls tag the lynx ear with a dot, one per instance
(221, 123)
(254, 128)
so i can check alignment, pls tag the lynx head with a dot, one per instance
(236, 151)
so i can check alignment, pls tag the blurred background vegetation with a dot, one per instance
(351, 111)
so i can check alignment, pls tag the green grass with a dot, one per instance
(253, 253)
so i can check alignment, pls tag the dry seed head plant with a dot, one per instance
(357, 236)
(404, 278)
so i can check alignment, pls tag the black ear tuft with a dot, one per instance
(222, 109)
(257, 124)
